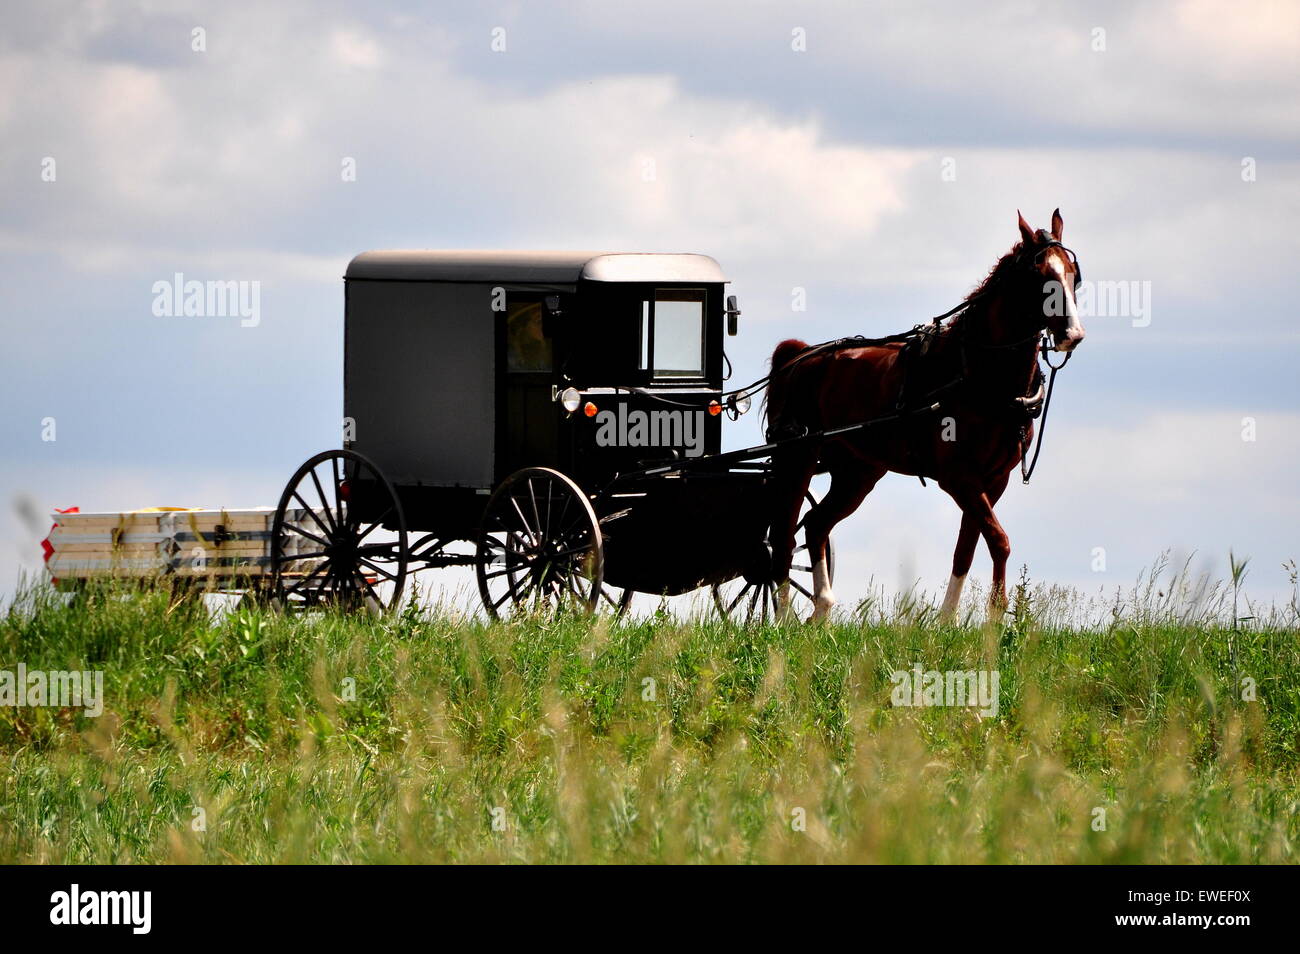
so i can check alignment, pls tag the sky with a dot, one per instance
(865, 159)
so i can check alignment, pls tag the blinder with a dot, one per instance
(1048, 242)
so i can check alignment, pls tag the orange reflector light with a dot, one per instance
(715, 408)
(589, 409)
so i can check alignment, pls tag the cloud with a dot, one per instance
(602, 127)
(1172, 74)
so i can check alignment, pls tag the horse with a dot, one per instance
(954, 403)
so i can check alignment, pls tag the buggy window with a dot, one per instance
(527, 349)
(672, 334)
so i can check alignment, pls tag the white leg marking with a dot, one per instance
(782, 608)
(823, 598)
(952, 597)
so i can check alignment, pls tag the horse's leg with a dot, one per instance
(977, 507)
(850, 485)
(1000, 552)
(962, 555)
(791, 474)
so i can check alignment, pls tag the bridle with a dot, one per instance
(1027, 464)
(1047, 242)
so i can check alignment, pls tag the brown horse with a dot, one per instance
(981, 369)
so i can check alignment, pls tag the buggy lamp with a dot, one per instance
(570, 399)
(589, 409)
(738, 404)
(714, 409)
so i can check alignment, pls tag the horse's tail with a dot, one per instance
(779, 382)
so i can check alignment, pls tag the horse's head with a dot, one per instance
(1056, 276)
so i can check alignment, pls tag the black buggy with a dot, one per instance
(551, 419)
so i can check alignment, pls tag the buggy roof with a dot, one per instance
(440, 265)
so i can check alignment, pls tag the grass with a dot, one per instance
(426, 737)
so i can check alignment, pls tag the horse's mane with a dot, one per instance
(997, 271)
(973, 299)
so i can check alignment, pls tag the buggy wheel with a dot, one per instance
(339, 537)
(744, 602)
(540, 549)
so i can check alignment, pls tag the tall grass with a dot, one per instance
(430, 737)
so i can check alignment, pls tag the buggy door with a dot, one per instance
(528, 431)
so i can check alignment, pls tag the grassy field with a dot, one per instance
(427, 738)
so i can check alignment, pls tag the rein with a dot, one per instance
(1026, 465)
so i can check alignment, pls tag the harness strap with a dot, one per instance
(1027, 466)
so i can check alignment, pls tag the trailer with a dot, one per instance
(217, 548)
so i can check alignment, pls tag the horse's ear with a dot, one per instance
(1058, 224)
(1026, 233)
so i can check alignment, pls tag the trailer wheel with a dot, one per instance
(339, 537)
(755, 602)
(539, 548)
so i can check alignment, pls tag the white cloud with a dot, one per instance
(227, 163)
(356, 48)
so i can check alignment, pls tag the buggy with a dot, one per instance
(551, 419)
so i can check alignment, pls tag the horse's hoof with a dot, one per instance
(820, 612)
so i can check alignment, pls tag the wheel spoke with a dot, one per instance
(739, 596)
(339, 468)
(524, 521)
(310, 536)
(369, 589)
(312, 513)
(320, 491)
(324, 565)
(568, 581)
(378, 569)
(371, 528)
(513, 591)
(514, 568)
(564, 511)
(295, 557)
(546, 528)
(572, 551)
(797, 586)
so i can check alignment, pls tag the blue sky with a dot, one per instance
(821, 169)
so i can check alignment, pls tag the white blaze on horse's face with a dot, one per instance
(1067, 338)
